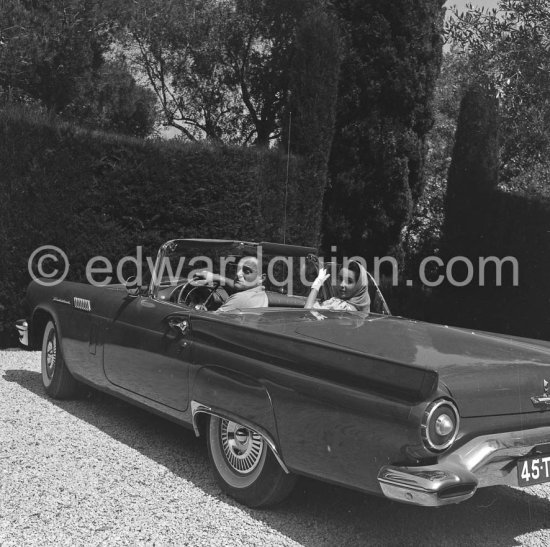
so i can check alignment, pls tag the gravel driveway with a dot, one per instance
(99, 471)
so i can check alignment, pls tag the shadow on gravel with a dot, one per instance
(316, 513)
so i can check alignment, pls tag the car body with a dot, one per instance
(417, 412)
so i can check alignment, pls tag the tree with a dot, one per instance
(473, 174)
(47, 48)
(423, 233)
(388, 76)
(507, 51)
(176, 45)
(111, 100)
(313, 90)
(53, 53)
(219, 69)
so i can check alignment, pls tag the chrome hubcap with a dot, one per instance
(242, 447)
(51, 354)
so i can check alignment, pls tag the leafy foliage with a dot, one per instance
(423, 233)
(219, 69)
(111, 100)
(388, 75)
(483, 221)
(508, 51)
(473, 174)
(99, 194)
(312, 103)
(48, 46)
(503, 51)
(53, 54)
(532, 181)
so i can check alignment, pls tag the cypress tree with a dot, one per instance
(392, 59)
(313, 85)
(473, 174)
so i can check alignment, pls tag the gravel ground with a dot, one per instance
(99, 471)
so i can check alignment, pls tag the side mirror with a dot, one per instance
(132, 287)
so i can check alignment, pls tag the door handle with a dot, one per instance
(181, 325)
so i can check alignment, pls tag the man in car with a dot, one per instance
(248, 286)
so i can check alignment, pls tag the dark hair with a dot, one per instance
(354, 267)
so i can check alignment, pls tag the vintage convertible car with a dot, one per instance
(417, 412)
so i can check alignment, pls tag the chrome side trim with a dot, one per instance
(23, 330)
(198, 408)
(487, 460)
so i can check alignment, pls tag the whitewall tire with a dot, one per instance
(58, 381)
(244, 465)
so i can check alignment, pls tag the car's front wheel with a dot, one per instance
(58, 381)
(244, 465)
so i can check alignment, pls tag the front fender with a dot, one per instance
(39, 319)
(47, 302)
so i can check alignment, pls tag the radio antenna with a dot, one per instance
(287, 172)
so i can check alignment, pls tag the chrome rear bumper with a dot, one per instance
(484, 461)
(23, 330)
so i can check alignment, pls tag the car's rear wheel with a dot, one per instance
(58, 381)
(244, 465)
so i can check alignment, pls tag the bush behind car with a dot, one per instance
(93, 193)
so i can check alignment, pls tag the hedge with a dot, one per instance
(93, 193)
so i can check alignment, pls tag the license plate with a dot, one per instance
(533, 470)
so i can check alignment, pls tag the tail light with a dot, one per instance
(440, 424)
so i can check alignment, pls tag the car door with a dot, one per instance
(147, 350)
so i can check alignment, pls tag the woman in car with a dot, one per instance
(352, 285)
